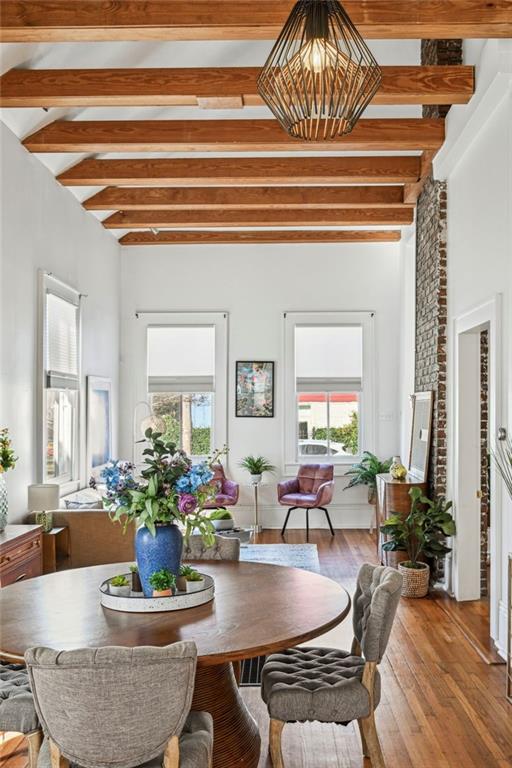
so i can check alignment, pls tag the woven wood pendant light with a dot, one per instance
(320, 74)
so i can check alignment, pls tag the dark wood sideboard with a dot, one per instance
(393, 497)
(21, 553)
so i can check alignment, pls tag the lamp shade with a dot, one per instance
(320, 74)
(43, 497)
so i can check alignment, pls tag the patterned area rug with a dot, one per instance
(303, 556)
(293, 555)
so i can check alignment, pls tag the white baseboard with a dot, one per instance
(272, 516)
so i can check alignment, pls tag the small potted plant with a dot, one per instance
(422, 535)
(222, 519)
(163, 583)
(181, 581)
(256, 466)
(195, 581)
(365, 473)
(136, 584)
(119, 586)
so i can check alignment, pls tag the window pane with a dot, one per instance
(60, 431)
(312, 416)
(344, 423)
(323, 351)
(328, 424)
(181, 351)
(186, 419)
(61, 330)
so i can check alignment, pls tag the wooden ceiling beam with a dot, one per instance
(260, 218)
(243, 171)
(268, 236)
(244, 198)
(214, 88)
(379, 134)
(61, 20)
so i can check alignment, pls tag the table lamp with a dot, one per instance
(43, 498)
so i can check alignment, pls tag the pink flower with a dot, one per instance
(187, 503)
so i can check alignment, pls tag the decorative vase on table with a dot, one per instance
(397, 469)
(159, 552)
(4, 503)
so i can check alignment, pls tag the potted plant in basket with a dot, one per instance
(256, 466)
(163, 583)
(422, 535)
(119, 586)
(170, 493)
(7, 461)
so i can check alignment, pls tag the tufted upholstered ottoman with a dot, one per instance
(17, 710)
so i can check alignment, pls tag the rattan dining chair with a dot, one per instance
(119, 707)
(334, 686)
(222, 549)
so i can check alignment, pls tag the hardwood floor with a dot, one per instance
(442, 706)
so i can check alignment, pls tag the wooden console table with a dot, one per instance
(393, 498)
(21, 553)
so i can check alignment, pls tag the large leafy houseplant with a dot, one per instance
(423, 532)
(365, 473)
(170, 490)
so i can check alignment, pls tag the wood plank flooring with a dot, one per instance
(442, 706)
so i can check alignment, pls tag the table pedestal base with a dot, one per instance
(236, 737)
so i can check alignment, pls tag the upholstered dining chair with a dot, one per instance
(331, 685)
(226, 490)
(222, 549)
(17, 710)
(311, 489)
(117, 707)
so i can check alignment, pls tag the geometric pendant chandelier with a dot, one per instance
(320, 75)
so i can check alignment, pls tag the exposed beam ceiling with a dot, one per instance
(271, 236)
(247, 171)
(214, 87)
(244, 198)
(228, 136)
(260, 218)
(61, 20)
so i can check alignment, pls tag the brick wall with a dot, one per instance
(484, 463)
(431, 263)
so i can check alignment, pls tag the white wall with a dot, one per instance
(256, 285)
(44, 227)
(479, 268)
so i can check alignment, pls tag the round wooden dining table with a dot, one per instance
(258, 609)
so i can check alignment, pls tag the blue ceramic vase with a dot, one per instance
(156, 552)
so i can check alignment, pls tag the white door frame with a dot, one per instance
(465, 453)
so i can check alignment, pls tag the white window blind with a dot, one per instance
(61, 328)
(328, 358)
(181, 358)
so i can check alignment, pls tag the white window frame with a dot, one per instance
(367, 410)
(220, 321)
(49, 284)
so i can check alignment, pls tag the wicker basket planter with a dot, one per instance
(415, 580)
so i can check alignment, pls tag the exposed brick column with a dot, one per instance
(431, 303)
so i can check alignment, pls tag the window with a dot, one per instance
(181, 384)
(329, 405)
(61, 383)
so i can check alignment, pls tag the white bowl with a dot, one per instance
(195, 586)
(119, 591)
(223, 525)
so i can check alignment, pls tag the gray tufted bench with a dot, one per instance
(17, 710)
(222, 549)
(331, 685)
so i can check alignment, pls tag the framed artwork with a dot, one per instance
(422, 407)
(99, 423)
(254, 389)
